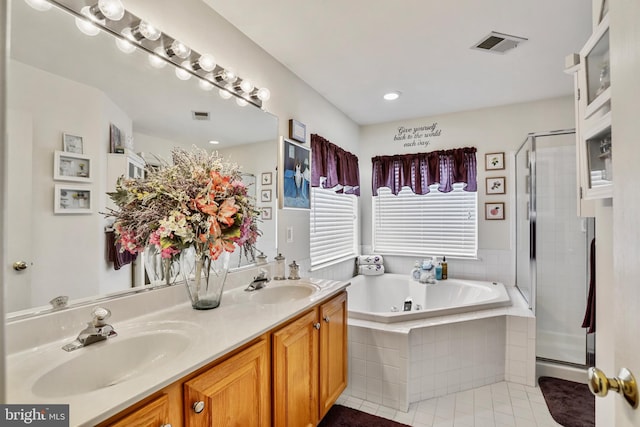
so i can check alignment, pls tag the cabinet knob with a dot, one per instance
(326, 318)
(165, 425)
(316, 325)
(198, 407)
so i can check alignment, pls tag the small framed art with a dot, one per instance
(496, 185)
(69, 166)
(494, 211)
(265, 195)
(494, 161)
(266, 213)
(72, 143)
(297, 131)
(72, 199)
(267, 178)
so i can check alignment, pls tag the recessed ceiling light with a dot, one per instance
(214, 142)
(391, 96)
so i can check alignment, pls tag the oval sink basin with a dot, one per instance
(274, 293)
(111, 362)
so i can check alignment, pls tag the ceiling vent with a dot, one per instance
(498, 42)
(200, 115)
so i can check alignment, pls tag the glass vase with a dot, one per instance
(204, 277)
(160, 270)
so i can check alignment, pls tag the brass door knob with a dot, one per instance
(20, 265)
(624, 383)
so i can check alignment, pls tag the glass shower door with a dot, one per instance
(524, 260)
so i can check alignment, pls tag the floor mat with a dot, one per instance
(570, 404)
(341, 416)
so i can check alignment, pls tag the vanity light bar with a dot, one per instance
(164, 48)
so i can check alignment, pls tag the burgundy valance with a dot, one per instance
(419, 171)
(333, 168)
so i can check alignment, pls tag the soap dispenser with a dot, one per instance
(445, 268)
(279, 268)
(294, 271)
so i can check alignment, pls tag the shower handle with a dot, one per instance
(624, 383)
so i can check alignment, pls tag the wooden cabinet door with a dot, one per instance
(295, 373)
(154, 413)
(333, 351)
(234, 393)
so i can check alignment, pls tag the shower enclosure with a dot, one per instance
(552, 247)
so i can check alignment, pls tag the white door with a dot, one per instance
(17, 223)
(625, 307)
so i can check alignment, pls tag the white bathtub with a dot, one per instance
(375, 297)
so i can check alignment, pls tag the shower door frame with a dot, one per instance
(532, 215)
(532, 211)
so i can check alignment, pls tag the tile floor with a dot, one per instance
(498, 405)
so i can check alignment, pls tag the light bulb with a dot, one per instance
(41, 5)
(110, 9)
(224, 93)
(86, 25)
(206, 84)
(155, 60)
(229, 76)
(241, 102)
(391, 96)
(206, 62)
(146, 30)
(179, 49)
(246, 86)
(263, 94)
(125, 44)
(183, 74)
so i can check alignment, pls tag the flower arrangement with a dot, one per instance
(197, 201)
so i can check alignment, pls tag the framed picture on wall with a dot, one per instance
(267, 178)
(294, 175)
(297, 131)
(72, 143)
(494, 161)
(72, 199)
(69, 166)
(265, 213)
(493, 210)
(496, 185)
(265, 195)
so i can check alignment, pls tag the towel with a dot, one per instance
(370, 260)
(114, 254)
(371, 270)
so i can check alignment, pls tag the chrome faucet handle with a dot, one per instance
(100, 314)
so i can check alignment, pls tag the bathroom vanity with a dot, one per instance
(275, 356)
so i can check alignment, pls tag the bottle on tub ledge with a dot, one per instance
(445, 268)
(415, 273)
(438, 270)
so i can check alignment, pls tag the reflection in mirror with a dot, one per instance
(61, 81)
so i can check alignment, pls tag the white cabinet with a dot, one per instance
(129, 165)
(593, 117)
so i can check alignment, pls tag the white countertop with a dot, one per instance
(218, 331)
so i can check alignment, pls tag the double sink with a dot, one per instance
(142, 347)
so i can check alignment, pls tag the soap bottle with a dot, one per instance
(415, 273)
(438, 270)
(445, 268)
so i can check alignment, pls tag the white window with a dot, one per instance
(432, 224)
(334, 226)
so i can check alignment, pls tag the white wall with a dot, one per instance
(499, 129)
(73, 260)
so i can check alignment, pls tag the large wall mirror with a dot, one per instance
(61, 81)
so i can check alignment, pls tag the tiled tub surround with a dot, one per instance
(34, 344)
(401, 363)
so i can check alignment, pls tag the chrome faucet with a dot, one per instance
(259, 282)
(96, 330)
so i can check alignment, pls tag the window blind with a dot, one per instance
(432, 224)
(333, 226)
